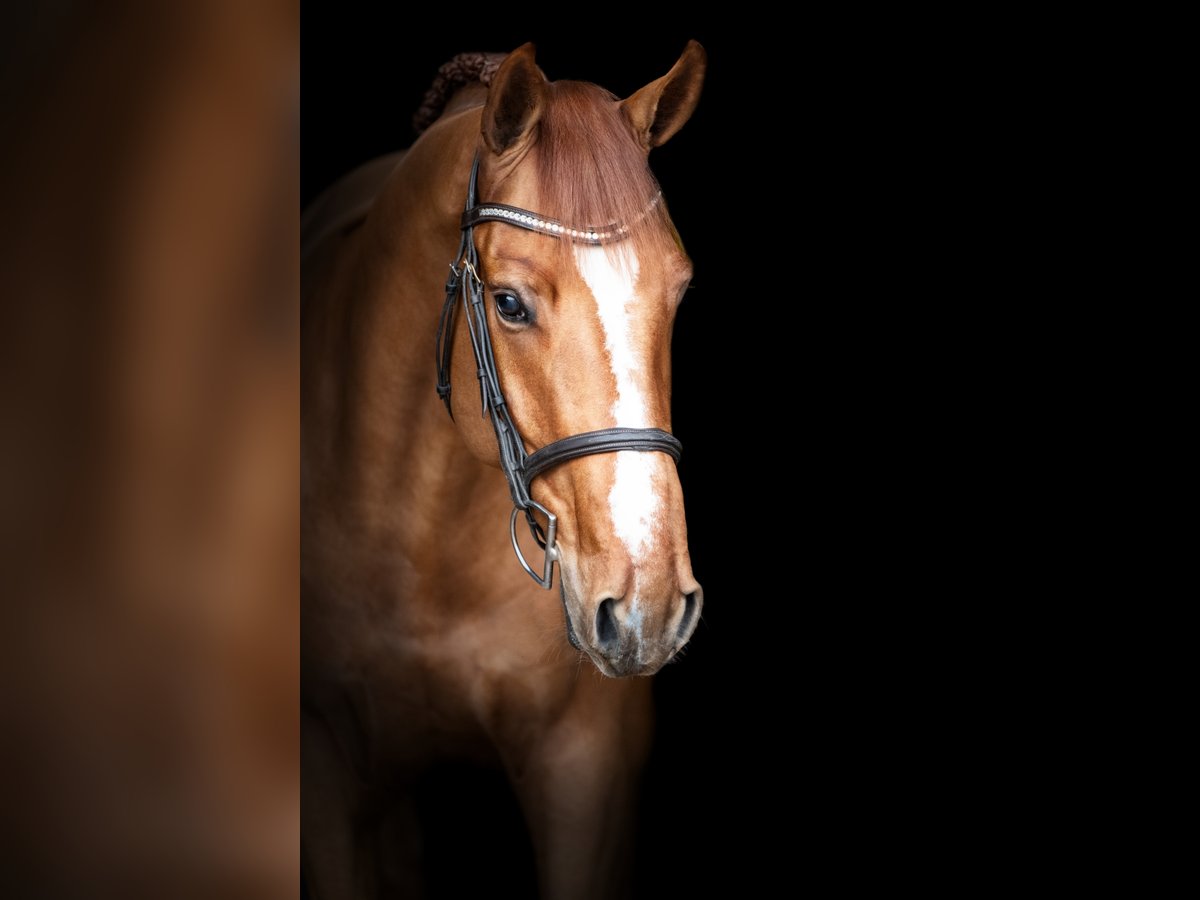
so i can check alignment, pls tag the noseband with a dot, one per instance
(519, 468)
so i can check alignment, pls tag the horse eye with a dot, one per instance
(510, 306)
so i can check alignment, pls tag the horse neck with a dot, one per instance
(390, 447)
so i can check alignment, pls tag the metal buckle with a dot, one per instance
(546, 542)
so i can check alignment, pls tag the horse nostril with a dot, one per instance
(606, 624)
(689, 613)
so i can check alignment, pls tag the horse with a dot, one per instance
(423, 638)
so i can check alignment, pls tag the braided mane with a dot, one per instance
(466, 68)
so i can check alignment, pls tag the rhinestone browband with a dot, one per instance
(523, 218)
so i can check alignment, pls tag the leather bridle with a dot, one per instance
(520, 468)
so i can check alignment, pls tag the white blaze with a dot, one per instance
(632, 501)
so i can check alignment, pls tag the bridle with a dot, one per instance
(520, 468)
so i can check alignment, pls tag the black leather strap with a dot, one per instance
(606, 440)
(464, 285)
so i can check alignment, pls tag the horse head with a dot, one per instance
(580, 309)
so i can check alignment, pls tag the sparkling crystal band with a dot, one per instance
(523, 218)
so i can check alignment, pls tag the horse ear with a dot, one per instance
(659, 109)
(514, 100)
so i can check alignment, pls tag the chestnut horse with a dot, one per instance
(422, 637)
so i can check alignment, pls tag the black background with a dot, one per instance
(820, 725)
